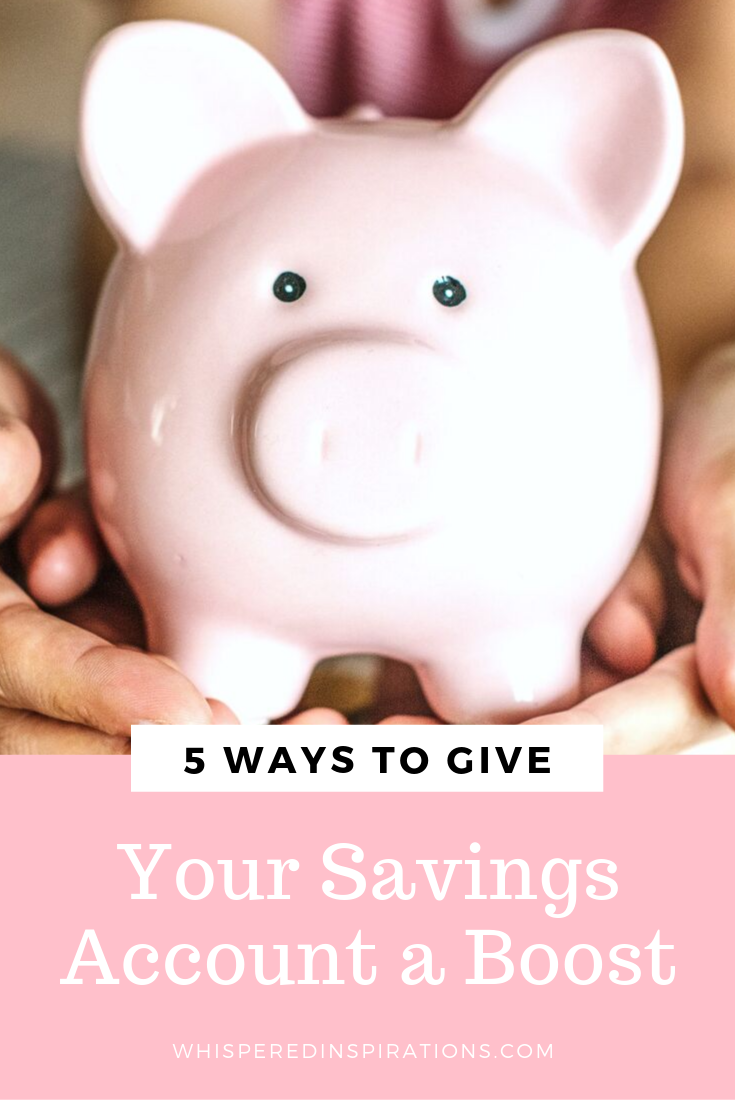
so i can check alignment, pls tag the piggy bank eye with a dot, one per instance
(448, 291)
(289, 287)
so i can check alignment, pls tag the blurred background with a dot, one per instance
(44, 45)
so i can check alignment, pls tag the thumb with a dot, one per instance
(661, 711)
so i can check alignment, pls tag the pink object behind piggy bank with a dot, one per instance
(375, 386)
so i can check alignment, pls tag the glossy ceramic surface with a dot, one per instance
(356, 464)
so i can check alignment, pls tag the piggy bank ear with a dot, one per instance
(162, 102)
(598, 113)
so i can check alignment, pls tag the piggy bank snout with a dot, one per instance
(356, 439)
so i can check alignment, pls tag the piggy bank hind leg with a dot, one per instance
(258, 677)
(506, 679)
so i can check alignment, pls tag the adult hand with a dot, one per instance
(63, 687)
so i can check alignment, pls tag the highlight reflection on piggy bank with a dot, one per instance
(375, 386)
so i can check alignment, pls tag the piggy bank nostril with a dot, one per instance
(315, 438)
(411, 445)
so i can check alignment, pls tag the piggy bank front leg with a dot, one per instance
(258, 677)
(504, 679)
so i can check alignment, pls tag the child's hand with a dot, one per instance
(63, 688)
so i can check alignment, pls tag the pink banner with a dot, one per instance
(654, 870)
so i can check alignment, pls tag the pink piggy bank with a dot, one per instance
(375, 385)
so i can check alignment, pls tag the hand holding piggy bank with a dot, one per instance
(375, 385)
